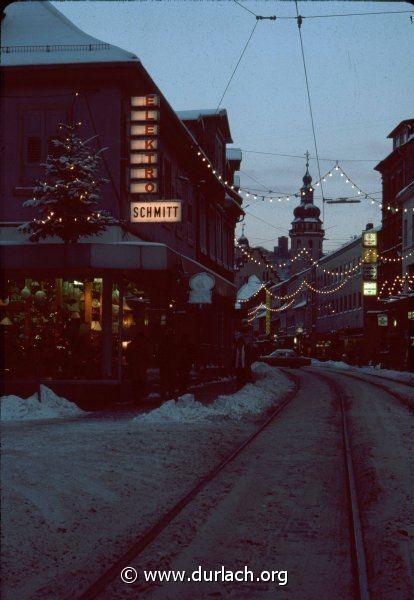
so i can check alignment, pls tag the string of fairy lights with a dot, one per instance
(303, 253)
(406, 280)
(271, 196)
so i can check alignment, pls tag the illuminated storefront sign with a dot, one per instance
(369, 255)
(369, 263)
(144, 129)
(369, 239)
(156, 212)
(369, 288)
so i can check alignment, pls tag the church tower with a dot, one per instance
(306, 232)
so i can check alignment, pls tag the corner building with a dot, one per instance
(67, 311)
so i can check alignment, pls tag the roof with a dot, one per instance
(36, 33)
(400, 126)
(250, 288)
(406, 193)
(204, 113)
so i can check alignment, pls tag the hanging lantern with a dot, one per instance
(115, 309)
(25, 293)
(115, 297)
(5, 301)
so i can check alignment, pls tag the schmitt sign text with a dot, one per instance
(156, 212)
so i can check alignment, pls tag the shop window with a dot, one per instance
(54, 329)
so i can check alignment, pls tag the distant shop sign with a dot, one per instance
(369, 239)
(369, 288)
(382, 320)
(369, 272)
(156, 212)
(201, 286)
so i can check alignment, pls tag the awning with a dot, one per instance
(114, 250)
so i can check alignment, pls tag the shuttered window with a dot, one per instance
(34, 149)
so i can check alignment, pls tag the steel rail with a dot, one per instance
(102, 582)
(405, 401)
(357, 538)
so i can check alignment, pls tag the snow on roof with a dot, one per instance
(193, 115)
(248, 289)
(36, 33)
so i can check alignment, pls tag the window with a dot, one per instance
(38, 127)
(203, 225)
(219, 254)
(211, 226)
(34, 149)
(310, 243)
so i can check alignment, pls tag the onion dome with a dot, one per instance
(312, 211)
(299, 212)
(243, 241)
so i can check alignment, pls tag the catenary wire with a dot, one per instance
(238, 62)
(299, 22)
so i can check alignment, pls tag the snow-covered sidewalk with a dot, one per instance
(403, 376)
(76, 492)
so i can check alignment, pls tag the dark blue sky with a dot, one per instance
(360, 72)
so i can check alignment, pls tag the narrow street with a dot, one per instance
(280, 505)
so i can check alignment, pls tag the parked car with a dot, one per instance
(285, 357)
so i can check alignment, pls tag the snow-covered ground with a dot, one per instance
(76, 492)
(45, 405)
(385, 373)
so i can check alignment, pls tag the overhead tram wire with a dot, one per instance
(312, 158)
(332, 15)
(299, 22)
(238, 62)
(245, 8)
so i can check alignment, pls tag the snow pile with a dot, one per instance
(374, 370)
(251, 400)
(51, 406)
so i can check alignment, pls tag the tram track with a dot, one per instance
(382, 386)
(154, 531)
(356, 538)
(358, 555)
(359, 551)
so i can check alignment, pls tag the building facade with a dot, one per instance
(68, 310)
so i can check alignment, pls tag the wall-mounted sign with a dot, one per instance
(369, 239)
(201, 286)
(369, 255)
(369, 263)
(144, 129)
(382, 320)
(369, 288)
(369, 272)
(156, 212)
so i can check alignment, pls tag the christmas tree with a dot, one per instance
(67, 199)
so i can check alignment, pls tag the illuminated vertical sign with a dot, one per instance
(144, 130)
(369, 263)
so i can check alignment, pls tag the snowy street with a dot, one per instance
(280, 505)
